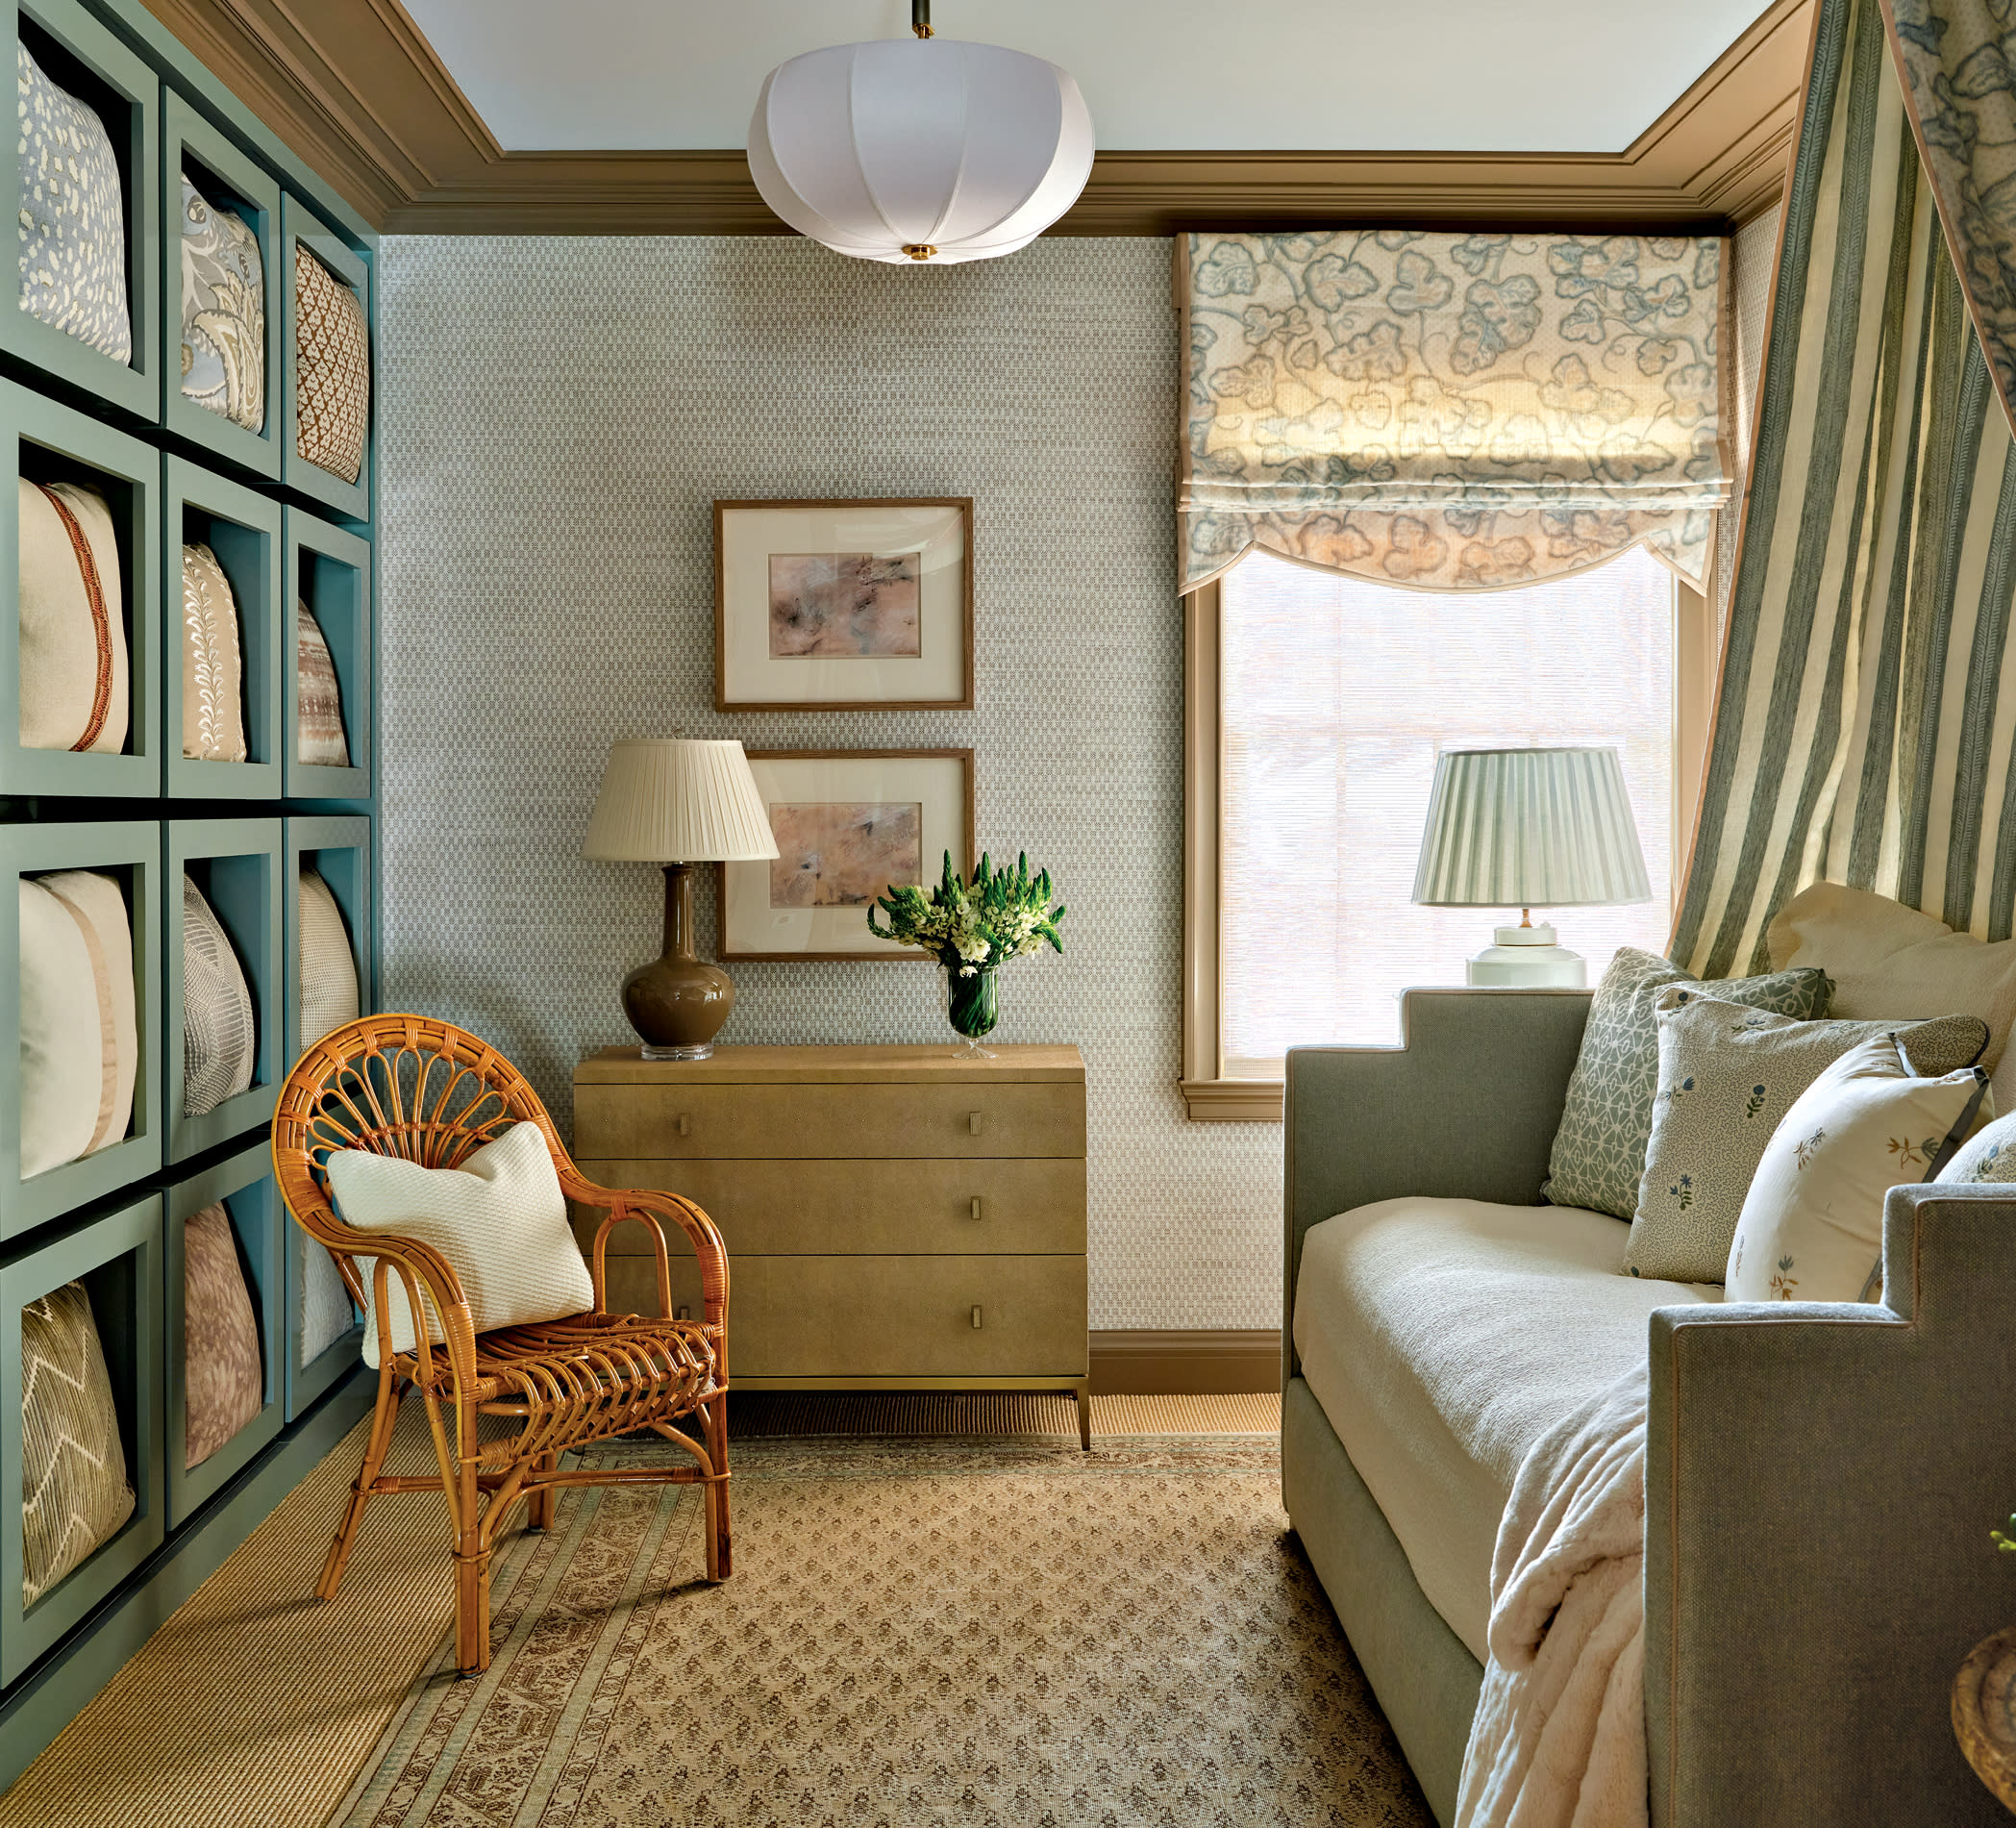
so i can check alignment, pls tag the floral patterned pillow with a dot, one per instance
(1728, 1076)
(1988, 1155)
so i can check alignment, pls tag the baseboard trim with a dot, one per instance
(1193, 1361)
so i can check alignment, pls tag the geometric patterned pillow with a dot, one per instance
(331, 370)
(74, 1489)
(219, 1030)
(1598, 1150)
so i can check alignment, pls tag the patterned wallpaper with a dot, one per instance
(559, 415)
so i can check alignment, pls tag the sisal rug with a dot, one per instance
(972, 1631)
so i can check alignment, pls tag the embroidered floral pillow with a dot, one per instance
(1728, 1076)
(1988, 1155)
(1812, 1222)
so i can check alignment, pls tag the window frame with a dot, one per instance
(1210, 1096)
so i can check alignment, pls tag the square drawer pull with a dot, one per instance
(685, 1124)
(975, 1205)
(682, 1313)
(976, 1316)
(973, 1123)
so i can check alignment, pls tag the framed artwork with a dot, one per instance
(848, 825)
(840, 605)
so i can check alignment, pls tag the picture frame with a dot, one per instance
(844, 605)
(841, 818)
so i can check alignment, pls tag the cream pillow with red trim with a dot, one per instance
(1812, 1224)
(500, 1219)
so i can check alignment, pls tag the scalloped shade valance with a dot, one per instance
(920, 149)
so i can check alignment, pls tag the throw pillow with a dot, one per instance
(219, 1034)
(212, 706)
(1889, 961)
(326, 1311)
(223, 312)
(1728, 1075)
(73, 670)
(222, 1372)
(1812, 1222)
(1599, 1151)
(80, 1036)
(74, 1490)
(331, 369)
(328, 964)
(319, 699)
(1989, 1153)
(500, 1219)
(72, 226)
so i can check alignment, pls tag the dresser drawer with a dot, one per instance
(886, 1316)
(712, 1122)
(1032, 1206)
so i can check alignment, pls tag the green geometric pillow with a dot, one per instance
(1599, 1151)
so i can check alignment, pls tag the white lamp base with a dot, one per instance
(1526, 959)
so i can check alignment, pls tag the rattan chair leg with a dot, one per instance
(382, 1419)
(540, 1504)
(719, 1554)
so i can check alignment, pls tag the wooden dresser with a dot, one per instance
(896, 1217)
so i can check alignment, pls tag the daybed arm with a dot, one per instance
(1464, 1108)
(1820, 1483)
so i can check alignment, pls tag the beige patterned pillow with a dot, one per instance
(331, 370)
(326, 1310)
(1728, 1075)
(318, 714)
(220, 1037)
(213, 683)
(329, 995)
(74, 685)
(79, 1032)
(74, 1490)
(224, 1377)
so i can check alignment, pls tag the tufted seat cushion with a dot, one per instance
(1443, 1337)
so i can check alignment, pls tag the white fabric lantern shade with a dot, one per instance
(668, 800)
(920, 149)
(1529, 828)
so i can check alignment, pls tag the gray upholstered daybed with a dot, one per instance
(1820, 1480)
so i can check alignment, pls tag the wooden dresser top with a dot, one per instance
(942, 1064)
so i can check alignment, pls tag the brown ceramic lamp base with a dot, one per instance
(678, 1002)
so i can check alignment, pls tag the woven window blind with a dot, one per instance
(1337, 694)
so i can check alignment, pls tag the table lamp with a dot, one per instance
(1525, 828)
(668, 801)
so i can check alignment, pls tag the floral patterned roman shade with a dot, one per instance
(1452, 411)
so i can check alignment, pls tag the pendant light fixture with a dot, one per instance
(920, 149)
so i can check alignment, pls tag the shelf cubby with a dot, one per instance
(81, 56)
(237, 864)
(55, 443)
(329, 569)
(117, 1257)
(227, 179)
(339, 849)
(243, 1184)
(242, 528)
(130, 852)
(301, 227)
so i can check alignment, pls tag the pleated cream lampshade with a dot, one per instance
(676, 802)
(673, 800)
(1529, 828)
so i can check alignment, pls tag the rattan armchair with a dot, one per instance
(429, 1092)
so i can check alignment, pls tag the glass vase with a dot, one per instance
(973, 1006)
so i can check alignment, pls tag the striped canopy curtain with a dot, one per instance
(1452, 411)
(1866, 708)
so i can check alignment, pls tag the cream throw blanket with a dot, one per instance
(1558, 1740)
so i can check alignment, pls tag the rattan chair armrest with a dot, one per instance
(651, 1208)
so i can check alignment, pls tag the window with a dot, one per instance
(1334, 695)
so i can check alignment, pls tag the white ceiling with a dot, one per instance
(1164, 75)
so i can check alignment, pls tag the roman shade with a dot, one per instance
(1452, 411)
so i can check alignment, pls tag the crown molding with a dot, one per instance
(355, 89)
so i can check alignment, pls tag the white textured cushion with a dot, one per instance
(1443, 1337)
(500, 1219)
(219, 1032)
(1889, 961)
(1812, 1222)
(328, 965)
(79, 1039)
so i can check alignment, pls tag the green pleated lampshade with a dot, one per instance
(1529, 828)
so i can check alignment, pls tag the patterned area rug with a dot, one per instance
(917, 1632)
